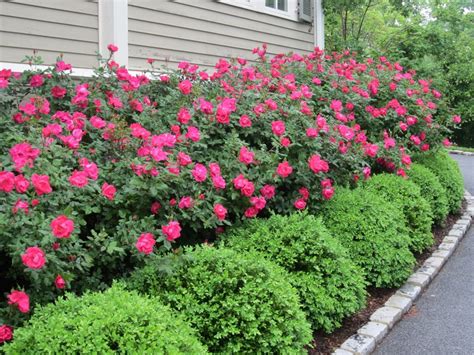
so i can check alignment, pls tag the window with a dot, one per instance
(281, 5)
(281, 8)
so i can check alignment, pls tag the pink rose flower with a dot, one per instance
(112, 48)
(193, 134)
(251, 212)
(185, 87)
(317, 165)
(328, 192)
(145, 243)
(220, 211)
(300, 204)
(7, 181)
(185, 202)
(172, 230)
(62, 227)
(183, 116)
(20, 299)
(218, 182)
(278, 128)
(245, 121)
(97, 122)
(199, 172)
(108, 191)
(59, 282)
(6, 333)
(268, 191)
(246, 156)
(248, 189)
(78, 178)
(34, 258)
(184, 159)
(20, 205)
(284, 169)
(258, 202)
(155, 207)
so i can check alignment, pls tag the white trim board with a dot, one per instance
(76, 72)
(113, 28)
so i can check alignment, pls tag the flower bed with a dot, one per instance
(102, 176)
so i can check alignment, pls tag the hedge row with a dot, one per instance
(266, 285)
(99, 174)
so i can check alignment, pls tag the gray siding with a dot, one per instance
(51, 27)
(202, 31)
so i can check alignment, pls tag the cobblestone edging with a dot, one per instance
(384, 318)
(460, 152)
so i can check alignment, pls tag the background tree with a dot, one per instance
(434, 37)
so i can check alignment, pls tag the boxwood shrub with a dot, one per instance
(374, 232)
(406, 195)
(115, 321)
(431, 190)
(239, 303)
(449, 175)
(330, 285)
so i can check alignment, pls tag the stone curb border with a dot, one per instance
(384, 318)
(460, 152)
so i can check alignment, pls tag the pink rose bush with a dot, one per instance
(97, 174)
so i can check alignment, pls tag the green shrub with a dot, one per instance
(330, 285)
(375, 234)
(406, 196)
(431, 190)
(115, 321)
(449, 175)
(239, 303)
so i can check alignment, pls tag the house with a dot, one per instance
(168, 31)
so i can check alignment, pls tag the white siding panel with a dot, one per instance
(202, 47)
(203, 31)
(47, 29)
(15, 55)
(48, 15)
(139, 54)
(219, 34)
(209, 17)
(79, 6)
(52, 27)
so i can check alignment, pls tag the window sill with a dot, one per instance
(291, 14)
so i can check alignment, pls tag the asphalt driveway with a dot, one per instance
(442, 320)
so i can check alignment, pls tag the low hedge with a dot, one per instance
(330, 285)
(239, 303)
(406, 195)
(431, 190)
(375, 234)
(449, 175)
(115, 321)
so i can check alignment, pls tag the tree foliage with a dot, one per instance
(435, 37)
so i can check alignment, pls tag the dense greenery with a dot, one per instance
(449, 175)
(115, 321)
(374, 231)
(99, 174)
(406, 196)
(432, 190)
(434, 37)
(330, 285)
(238, 303)
(114, 173)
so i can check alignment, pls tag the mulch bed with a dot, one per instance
(326, 343)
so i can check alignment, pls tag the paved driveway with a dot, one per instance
(442, 320)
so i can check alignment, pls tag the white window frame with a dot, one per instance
(259, 6)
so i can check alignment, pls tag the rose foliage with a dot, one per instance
(98, 173)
